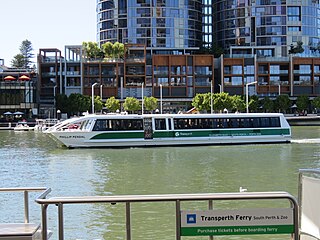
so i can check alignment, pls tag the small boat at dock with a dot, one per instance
(22, 126)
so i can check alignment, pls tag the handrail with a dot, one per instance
(26, 191)
(177, 198)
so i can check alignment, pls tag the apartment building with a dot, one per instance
(163, 39)
(18, 92)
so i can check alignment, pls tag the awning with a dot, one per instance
(18, 113)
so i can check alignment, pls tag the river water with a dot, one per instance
(32, 159)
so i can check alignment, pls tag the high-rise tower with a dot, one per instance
(161, 25)
(266, 27)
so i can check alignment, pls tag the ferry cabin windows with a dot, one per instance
(186, 123)
(118, 125)
(210, 123)
(160, 124)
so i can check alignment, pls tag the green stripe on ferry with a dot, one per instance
(118, 135)
(230, 133)
(195, 133)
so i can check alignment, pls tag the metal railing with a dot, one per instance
(177, 198)
(45, 192)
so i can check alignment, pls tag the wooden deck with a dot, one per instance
(19, 231)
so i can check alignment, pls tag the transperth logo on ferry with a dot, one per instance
(177, 134)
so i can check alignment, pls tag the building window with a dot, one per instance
(237, 69)
(294, 14)
(236, 81)
(305, 69)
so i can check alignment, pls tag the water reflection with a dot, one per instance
(32, 159)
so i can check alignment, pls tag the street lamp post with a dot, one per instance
(247, 94)
(142, 100)
(211, 102)
(54, 101)
(92, 96)
(160, 98)
(101, 91)
(220, 88)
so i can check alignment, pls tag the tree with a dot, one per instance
(282, 103)
(150, 103)
(296, 49)
(98, 104)
(201, 102)
(222, 101)
(302, 103)
(212, 49)
(254, 103)
(107, 49)
(131, 104)
(23, 59)
(92, 50)
(267, 105)
(62, 103)
(78, 103)
(112, 104)
(316, 103)
(17, 61)
(238, 104)
(118, 50)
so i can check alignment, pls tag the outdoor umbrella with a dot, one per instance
(10, 78)
(18, 113)
(24, 78)
(7, 113)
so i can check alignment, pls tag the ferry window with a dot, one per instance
(247, 122)
(124, 125)
(234, 123)
(87, 125)
(205, 123)
(215, 123)
(160, 124)
(187, 123)
(100, 125)
(222, 123)
(179, 123)
(274, 122)
(83, 125)
(169, 124)
(255, 122)
(264, 122)
(132, 124)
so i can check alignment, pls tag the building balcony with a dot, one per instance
(73, 73)
(49, 74)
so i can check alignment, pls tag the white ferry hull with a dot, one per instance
(81, 140)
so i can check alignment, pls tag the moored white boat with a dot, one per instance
(171, 130)
(22, 126)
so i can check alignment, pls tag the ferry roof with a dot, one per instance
(217, 115)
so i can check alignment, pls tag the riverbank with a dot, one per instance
(309, 120)
(294, 120)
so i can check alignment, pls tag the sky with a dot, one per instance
(46, 24)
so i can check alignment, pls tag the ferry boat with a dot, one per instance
(119, 130)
